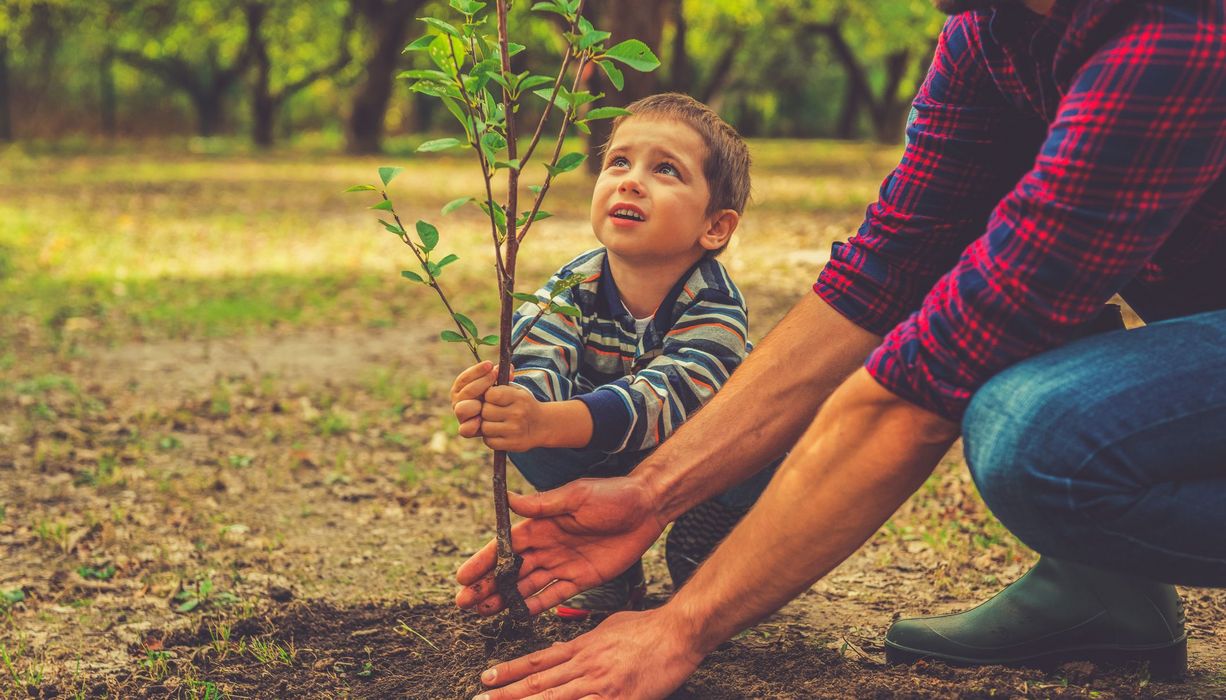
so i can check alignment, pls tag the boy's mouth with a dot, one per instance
(627, 212)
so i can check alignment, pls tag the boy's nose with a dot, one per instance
(630, 184)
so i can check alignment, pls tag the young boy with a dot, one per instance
(661, 327)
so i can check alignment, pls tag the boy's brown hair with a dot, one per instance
(726, 162)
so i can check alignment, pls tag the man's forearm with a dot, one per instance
(866, 452)
(761, 411)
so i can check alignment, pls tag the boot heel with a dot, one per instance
(1171, 662)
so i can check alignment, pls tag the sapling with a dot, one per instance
(474, 80)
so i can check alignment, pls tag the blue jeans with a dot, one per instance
(548, 468)
(1111, 450)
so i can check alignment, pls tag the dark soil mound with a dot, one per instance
(434, 651)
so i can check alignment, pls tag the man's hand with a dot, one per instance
(513, 420)
(579, 536)
(604, 663)
(467, 392)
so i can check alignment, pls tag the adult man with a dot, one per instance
(1062, 151)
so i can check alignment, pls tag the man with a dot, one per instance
(1062, 151)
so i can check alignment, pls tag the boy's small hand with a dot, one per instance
(466, 396)
(512, 420)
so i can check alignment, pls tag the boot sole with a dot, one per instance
(1170, 661)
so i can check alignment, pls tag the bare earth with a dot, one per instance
(306, 494)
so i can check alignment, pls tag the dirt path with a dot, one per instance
(303, 494)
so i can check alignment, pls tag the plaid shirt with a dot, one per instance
(638, 389)
(1052, 162)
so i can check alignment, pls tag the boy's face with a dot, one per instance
(650, 200)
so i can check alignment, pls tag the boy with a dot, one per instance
(661, 327)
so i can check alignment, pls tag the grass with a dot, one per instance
(138, 244)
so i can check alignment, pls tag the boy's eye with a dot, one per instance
(667, 168)
(618, 162)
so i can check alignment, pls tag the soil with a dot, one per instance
(307, 493)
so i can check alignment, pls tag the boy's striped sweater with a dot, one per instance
(639, 390)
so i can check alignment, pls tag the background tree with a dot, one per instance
(387, 23)
(198, 47)
(283, 41)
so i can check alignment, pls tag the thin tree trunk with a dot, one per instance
(890, 111)
(390, 23)
(681, 71)
(107, 104)
(6, 118)
(263, 104)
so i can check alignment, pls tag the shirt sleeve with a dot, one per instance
(547, 360)
(1138, 138)
(965, 148)
(705, 344)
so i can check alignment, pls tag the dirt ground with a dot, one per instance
(280, 515)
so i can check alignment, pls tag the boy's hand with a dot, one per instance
(466, 396)
(513, 420)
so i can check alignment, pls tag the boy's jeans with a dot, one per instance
(548, 468)
(1111, 450)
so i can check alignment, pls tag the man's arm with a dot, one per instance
(761, 411)
(866, 452)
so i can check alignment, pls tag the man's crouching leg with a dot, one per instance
(1107, 457)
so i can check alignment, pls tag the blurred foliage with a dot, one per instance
(759, 62)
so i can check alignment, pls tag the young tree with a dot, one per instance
(475, 81)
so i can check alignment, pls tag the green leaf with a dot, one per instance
(581, 98)
(420, 44)
(438, 145)
(498, 214)
(447, 51)
(491, 143)
(635, 54)
(590, 39)
(467, 7)
(526, 297)
(567, 163)
(189, 606)
(564, 284)
(548, 7)
(605, 113)
(424, 75)
(447, 260)
(363, 188)
(436, 89)
(565, 310)
(385, 205)
(387, 174)
(513, 164)
(413, 276)
(533, 81)
(540, 216)
(451, 337)
(513, 48)
(536, 189)
(559, 99)
(428, 234)
(582, 125)
(392, 227)
(467, 323)
(489, 340)
(455, 204)
(615, 74)
(440, 25)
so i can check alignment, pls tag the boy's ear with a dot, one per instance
(719, 231)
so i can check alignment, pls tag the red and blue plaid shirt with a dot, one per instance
(1052, 163)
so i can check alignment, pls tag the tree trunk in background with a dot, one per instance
(6, 121)
(389, 21)
(263, 103)
(680, 73)
(106, 94)
(625, 19)
(890, 112)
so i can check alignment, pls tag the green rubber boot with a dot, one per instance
(1058, 612)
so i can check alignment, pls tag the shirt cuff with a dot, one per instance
(611, 419)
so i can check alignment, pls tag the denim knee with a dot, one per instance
(1012, 439)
